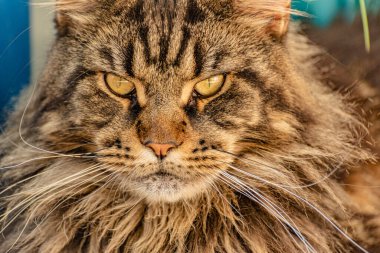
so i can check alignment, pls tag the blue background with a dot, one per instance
(14, 48)
(325, 11)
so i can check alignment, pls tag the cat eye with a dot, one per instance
(210, 86)
(118, 85)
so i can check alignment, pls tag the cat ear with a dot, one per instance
(273, 15)
(73, 12)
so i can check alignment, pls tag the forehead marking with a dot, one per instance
(198, 58)
(184, 44)
(143, 34)
(136, 13)
(106, 53)
(168, 14)
(194, 14)
(164, 48)
(218, 59)
(129, 53)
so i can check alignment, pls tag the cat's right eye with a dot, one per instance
(209, 87)
(118, 85)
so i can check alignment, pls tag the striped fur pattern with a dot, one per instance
(263, 166)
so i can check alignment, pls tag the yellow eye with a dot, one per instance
(118, 85)
(210, 86)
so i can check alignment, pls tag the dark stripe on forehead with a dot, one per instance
(198, 59)
(164, 48)
(143, 34)
(167, 13)
(218, 59)
(129, 53)
(194, 14)
(184, 45)
(106, 53)
(137, 12)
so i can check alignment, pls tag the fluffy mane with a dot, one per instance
(279, 191)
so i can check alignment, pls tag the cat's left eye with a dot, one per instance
(210, 86)
(118, 85)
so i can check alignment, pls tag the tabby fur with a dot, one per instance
(272, 163)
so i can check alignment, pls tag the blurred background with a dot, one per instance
(28, 31)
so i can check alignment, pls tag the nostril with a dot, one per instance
(161, 149)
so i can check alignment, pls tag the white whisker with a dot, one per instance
(43, 191)
(57, 205)
(255, 163)
(38, 159)
(306, 202)
(22, 120)
(272, 208)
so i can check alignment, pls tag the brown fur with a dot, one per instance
(269, 164)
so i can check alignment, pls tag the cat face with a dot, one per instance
(166, 94)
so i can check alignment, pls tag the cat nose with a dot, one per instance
(161, 149)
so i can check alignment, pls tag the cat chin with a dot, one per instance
(168, 188)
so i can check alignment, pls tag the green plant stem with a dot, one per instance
(367, 38)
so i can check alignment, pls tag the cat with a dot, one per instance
(186, 126)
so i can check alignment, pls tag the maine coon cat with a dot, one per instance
(186, 126)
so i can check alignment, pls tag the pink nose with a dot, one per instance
(161, 150)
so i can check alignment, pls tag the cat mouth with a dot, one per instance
(163, 174)
(163, 185)
(160, 175)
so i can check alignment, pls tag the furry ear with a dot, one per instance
(73, 5)
(73, 12)
(274, 15)
(76, 9)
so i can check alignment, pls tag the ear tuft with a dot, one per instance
(74, 5)
(69, 5)
(69, 12)
(273, 15)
